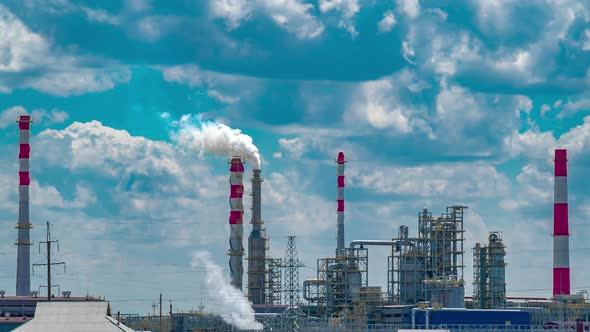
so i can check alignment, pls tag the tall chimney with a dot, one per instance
(340, 199)
(561, 253)
(236, 250)
(23, 258)
(256, 245)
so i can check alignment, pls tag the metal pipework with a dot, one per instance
(23, 258)
(236, 251)
(378, 243)
(256, 245)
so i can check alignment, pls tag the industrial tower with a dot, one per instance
(23, 258)
(340, 200)
(489, 273)
(257, 245)
(561, 255)
(236, 250)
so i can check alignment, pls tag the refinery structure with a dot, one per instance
(425, 286)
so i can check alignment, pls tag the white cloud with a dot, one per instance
(463, 181)
(380, 103)
(277, 155)
(100, 16)
(534, 188)
(295, 147)
(586, 45)
(347, 8)
(408, 52)
(295, 16)
(572, 107)
(9, 115)
(28, 60)
(155, 27)
(388, 22)
(80, 81)
(222, 98)
(544, 109)
(224, 88)
(20, 48)
(138, 5)
(233, 11)
(410, 8)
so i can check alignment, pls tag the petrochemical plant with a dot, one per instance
(425, 275)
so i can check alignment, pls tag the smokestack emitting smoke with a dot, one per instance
(234, 307)
(216, 138)
(561, 255)
(23, 258)
(236, 250)
(256, 245)
(340, 198)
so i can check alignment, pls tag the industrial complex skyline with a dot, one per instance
(434, 105)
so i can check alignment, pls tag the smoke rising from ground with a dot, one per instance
(234, 307)
(206, 136)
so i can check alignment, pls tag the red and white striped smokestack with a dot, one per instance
(236, 213)
(561, 252)
(340, 199)
(23, 242)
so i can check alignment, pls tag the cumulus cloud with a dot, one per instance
(572, 107)
(9, 115)
(295, 147)
(382, 105)
(224, 88)
(347, 8)
(295, 16)
(27, 59)
(410, 8)
(462, 181)
(387, 22)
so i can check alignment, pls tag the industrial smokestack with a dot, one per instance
(561, 253)
(23, 258)
(256, 245)
(236, 250)
(340, 199)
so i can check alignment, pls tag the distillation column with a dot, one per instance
(561, 256)
(256, 245)
(236, 251)
(23, 258)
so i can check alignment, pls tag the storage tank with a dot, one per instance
(445, 292)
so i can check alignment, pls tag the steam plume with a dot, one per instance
(206, 136)
(235, 308)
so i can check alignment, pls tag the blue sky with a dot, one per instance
(435, 103)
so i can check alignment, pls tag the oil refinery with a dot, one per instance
(425, 274)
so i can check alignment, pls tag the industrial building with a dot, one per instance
(425, 273)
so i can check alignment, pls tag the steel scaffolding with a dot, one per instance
(436, 253)
(273, 281)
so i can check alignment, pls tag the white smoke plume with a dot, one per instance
(205, 136)
(235, 308)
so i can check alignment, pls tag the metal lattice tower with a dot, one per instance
(291, 265)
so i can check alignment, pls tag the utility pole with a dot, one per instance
(161, 328)
(48, 263)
